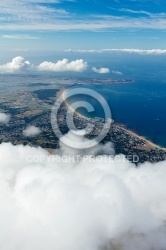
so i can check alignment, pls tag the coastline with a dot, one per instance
(69, 107)
(148, 144)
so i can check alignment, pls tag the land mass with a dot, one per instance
(125, 141)
(30, 107)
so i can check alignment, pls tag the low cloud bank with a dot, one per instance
(20, 64)
(64, 65)
(4, 118)
(31, 131)
(135, 51)
(93, 203)
(17, 64)
(138, 51)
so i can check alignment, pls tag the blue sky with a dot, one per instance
(41, 25)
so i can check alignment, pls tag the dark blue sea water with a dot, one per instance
(141, 105)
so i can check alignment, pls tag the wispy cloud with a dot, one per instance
(135, 51)
(36, 15)
(103, 23)
(22, 12)
(19, 37)
(135, 11)
(117, 72)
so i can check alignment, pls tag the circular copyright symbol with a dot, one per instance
(64, 113)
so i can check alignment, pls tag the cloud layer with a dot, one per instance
(64, 65)
(35, 15)
(31, 131)
(138, 51)
(94, 203)
(19, 64)
(134, 51)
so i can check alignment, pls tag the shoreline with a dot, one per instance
(148, 142)
(153, 145)
(69, 107)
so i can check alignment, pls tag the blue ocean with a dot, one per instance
(140, 105)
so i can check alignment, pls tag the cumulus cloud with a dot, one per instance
(4, 118)
(64, 65)
(17, 64)
(95, 203)
(101, 70)
(31, 131)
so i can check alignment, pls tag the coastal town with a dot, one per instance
(39, 115)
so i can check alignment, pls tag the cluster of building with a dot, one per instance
(125, 141)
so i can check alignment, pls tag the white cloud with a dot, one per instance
(4, 118)
(34, 15)
(17, 64)
(95, 203)
(19, 37)
(101, 70)
(105, 71)
(135, 51)
(138, 51)
(31, 131)
(136, 11)
(28, 12)
(116, 72)
(81, 50)
(31, 16)
(64, 65)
